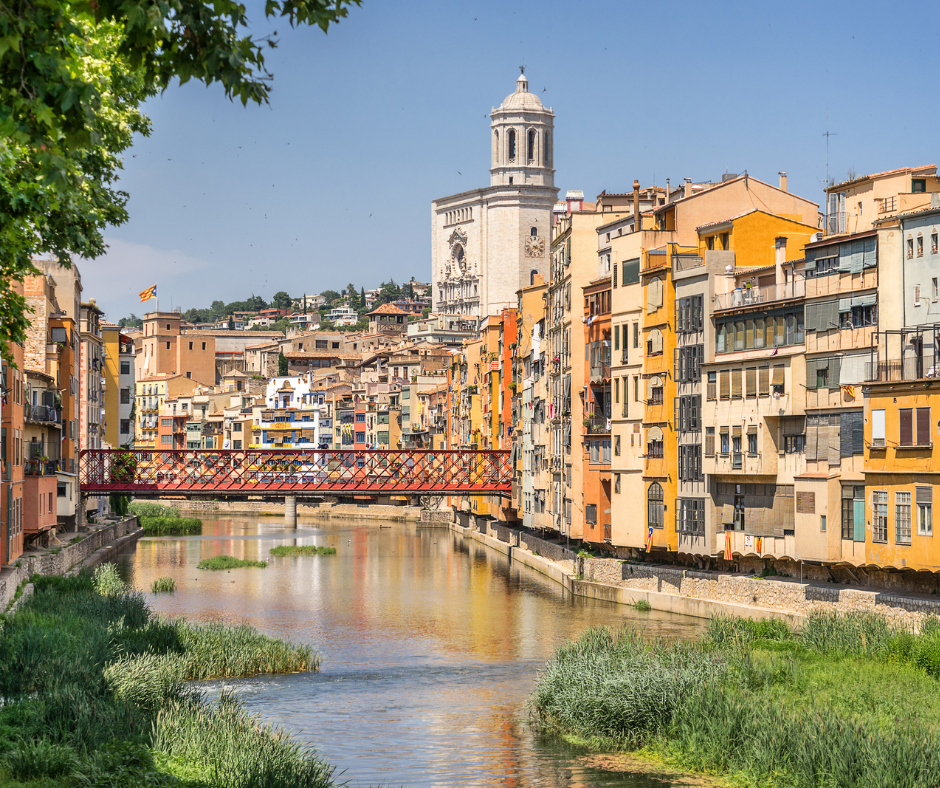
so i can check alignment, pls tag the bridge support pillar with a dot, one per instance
(290, 511)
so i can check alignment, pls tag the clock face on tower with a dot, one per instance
(534, 246)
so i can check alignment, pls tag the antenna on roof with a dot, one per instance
(827, 135)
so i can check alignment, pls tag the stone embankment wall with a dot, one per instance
(787, 595)
(92, 549)
(340, 510)
(692, 592)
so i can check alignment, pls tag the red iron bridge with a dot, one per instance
(152, 473)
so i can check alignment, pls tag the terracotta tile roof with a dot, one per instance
(861, 178)
(726, 221)
(387, 309)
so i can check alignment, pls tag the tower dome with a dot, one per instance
(522, 99)
(521, 153)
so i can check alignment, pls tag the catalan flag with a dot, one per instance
(848, 390)
(649, 539)
(150, 292)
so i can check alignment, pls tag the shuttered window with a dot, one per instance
(852, 431)
(806, 503)
(878, 428)
(923, 426)
(750, 382)
(724, 384)
(709, 441)
(906, 424)
(763, 381)
(711, 385)
(735, 384)
(776, 379)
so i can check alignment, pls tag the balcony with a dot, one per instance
(684, 262)
(40, 468)
(597, 425)
(906, 354)
(41, 414)
(600, 374)
(744, 297)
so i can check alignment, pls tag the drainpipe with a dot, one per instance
(636, 206)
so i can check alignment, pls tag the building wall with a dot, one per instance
(921, 270)
(12, 424)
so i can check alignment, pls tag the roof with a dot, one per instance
(387, 309)
(726, 221)
(884, 174)
(918, 211)
(522, 99)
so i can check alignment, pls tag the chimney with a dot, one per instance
(935, 200)
(687, 188)
(637, 221)
(667, 192)
(783, 181)
(780, 257)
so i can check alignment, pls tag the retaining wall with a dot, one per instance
(263, 508)
(92, 549)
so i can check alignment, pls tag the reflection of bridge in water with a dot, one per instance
(291, 472)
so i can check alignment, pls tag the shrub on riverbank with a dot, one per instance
(151, 509)
(848, 701)
(219, 562)
(91, 683)
(283, 549)
(170, 526)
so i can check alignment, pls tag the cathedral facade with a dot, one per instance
(489, 242)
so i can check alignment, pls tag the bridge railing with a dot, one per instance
(154, 472)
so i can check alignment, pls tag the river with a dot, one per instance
(430, 646)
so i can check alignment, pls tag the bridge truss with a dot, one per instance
(152, 473)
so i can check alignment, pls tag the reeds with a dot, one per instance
(851, 700)
(170, 526)
(163, 585)
(150, 509)
(94, 692)
(220, 562)
(283, 549)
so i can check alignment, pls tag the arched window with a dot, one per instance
(496, 146)
(654, 294)
(531, 146)
(547, 159)
(512, 145)
(654, 506)
(532, 274)
(533, 231)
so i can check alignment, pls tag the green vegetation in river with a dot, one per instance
(284, 549)
(163, 585)
(850, 700)
(220, 562)
(158, 520)
(94, 694)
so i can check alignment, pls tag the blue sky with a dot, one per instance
(333, 181)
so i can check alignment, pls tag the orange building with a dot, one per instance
(596, 409)
(12, 428)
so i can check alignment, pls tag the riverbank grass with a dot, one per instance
(849, 701)
(219, 562)
(283, 549)
(94, 693)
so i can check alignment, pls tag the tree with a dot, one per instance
(282, 370)
(329, 296)
(131, 322)
(255, 304)
(73, 74)
(218, 310)
(281, 300)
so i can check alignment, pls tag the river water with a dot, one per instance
(430, 646)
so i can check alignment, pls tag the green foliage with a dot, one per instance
(219, 562)
(282, 300)
(851, 700)
(284, 549)
(170, 526)
(72, 78)
(239, 751)
(150, 509)
(93, 687)
(119, 503)
(108, 582)
(163, 585)
(329, 297)
(642, 606)
(282, 369)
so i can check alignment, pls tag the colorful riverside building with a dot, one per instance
(595, 393)
(902, 451)
(12, 449)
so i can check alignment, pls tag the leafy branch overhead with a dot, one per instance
(72, 78)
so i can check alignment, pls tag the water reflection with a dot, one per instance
(431, 645)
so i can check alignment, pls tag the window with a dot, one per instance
(654, 294)
(126, 366)
(360, 437)
(167, 345)
(902, 517)
(688, 361)
(822, 523)
(709, 441)
(636, 335)
(914, 427)
(237, 426)
(735, 384)
(654, 342)
(236, 444)
(616, 445)
(689, 314)
(531, 147)
(877, 429)
(125, 396)
(656, 395)
(918, 185)
(853, 513)
(924, 511)
(655, 508)
(711, 386)
(690, 516)
(617, 483)
(125, 427)
(752, 440)
(794, 444)
(879, 515)
(933, 244)
(190, 345)
(512, 146)
(910, 248)
(360, 417)
(62, 490)
(690, 463)
(687, 413)
(725, 437)
(590, 514)
(203, 345)
(654, 443)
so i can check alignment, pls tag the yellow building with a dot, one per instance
(902, 455)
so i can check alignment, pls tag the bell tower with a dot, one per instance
(522, 137)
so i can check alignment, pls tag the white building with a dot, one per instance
(487, 243)
(342, 316)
